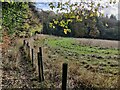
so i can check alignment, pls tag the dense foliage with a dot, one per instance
(70, 19)
(19, 19)
(85, 12)
(81, 19)
(107, 27)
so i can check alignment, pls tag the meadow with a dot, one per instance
(90, 66)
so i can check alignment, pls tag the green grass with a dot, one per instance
(72, 45)
(94, 56)
(101, 61)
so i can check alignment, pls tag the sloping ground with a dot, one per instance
(17, 70)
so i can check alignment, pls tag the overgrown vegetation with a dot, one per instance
(19, 19)
(18, 71)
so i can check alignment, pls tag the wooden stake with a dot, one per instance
(64, 76)
(23, 42)
(39, 69)
(32, 56)
(41, 63)
(28, 51)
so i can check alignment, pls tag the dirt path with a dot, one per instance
(18, 72)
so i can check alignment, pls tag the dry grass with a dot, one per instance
(78, 75)
(99, 43)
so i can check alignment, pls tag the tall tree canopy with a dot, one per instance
(85, 12)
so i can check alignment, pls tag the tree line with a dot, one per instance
(21, 19)
(106, 27)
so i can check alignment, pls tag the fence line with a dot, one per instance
(28, 49)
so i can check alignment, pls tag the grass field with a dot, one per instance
(90, 65)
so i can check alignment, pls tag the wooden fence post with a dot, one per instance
(28, 51)
(27, 44)
(23, 42)
(41, 63)
(39, 69)
(32, 53)
(64, 76)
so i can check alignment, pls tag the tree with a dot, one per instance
(18, 19)
(113, 17)
(80, 12)
(13, 16)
